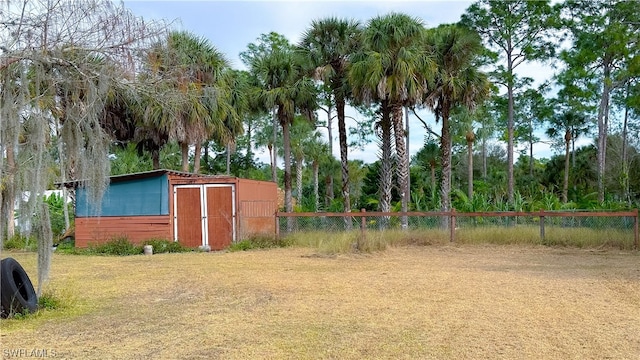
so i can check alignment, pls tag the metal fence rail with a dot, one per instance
(625, 222)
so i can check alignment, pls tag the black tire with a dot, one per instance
(16, 291)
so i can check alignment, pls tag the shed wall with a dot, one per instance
(257, 205)
(92, 230)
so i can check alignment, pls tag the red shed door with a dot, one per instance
(205, 215)
(188, 216)
(220, 220)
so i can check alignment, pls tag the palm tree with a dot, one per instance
(301, 133)
(393, 69)
(457, 83)
(316, 151)
(200, 75)
(328, 44)
(285, 89)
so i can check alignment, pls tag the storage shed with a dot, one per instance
(194, 210)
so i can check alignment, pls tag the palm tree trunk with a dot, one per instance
(342, 133)
(274, 164)
(196, 157)
(328, 193)
(330, 127)
(445, 185)
(408, 151)
(155, 158)
(432, 165)
(299, 179)
(184, 149)
(316, 196)
(470, 170)
(385, 168)
(402, 166)
(565, 185)
(287, 172)
(63, 175)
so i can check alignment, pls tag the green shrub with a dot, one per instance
(259, 242)
(165, 246)
(117, 246)
(243, 245)
(56, 213)
(21, 242)
(49, 301)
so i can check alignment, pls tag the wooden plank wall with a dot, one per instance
(91, 230)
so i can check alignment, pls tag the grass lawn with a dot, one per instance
(411, 302)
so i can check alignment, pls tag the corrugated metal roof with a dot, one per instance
(159, 172)
(147, 174)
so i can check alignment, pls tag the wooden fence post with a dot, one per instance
(542, 225)
(635, 231)
(452, 225)
(363, 227)
(277, 226)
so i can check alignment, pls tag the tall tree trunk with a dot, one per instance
(445, 185)
(299, 179)
(432, 165)
(625, 164)
(402, 166)
(603, 110)
(385, 166)
(316, 196)
(155, 158)
(330, 125)
(249, 135)
(286, 140)
(63, 179)
(196, 157)
(205, 155)
(273, 166)
(184, 149)
(470, 138)
(328, 193)
(344, 162)
(406, 126)
(510, 132)
(531, 151)
(274, 163)
(484, 158)
(565, 186)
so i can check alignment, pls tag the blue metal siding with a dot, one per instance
(147, 196)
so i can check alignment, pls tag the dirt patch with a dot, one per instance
(445, 302)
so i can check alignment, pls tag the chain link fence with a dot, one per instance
(579, 228)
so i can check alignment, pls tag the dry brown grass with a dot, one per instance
(434, 302)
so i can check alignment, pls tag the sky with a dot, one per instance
(231, 25)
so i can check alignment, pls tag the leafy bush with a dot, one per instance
(21, 242)
(49, 301)
(259, 242)
(165, 246)
(56, 213)
(117, 246)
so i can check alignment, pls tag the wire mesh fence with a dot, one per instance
(581, 228)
